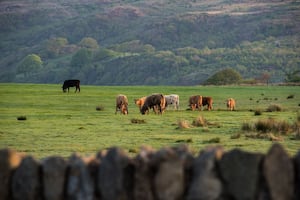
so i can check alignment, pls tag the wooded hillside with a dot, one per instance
(148, 42)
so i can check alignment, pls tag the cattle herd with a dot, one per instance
(157, 102)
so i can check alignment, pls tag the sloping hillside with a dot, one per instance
(179, 42)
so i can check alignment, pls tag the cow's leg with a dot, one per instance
(199, 106)
(160, 110)
(193, 107)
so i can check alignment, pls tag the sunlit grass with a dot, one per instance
(60, 123)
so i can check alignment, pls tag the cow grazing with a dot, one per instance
(122, 104)
(230, 104)
(140, 102)
(172, 99)
(207, 101)
(195, 102)
(71, 83)
(155, 101)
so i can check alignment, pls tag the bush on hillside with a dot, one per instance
(224, 77)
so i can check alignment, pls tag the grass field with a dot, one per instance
(62, 123)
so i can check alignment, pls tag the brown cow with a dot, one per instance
(195, 102)
(207, 101)
(140, 102)
(230, 104)
(155, 101)
(122, 104)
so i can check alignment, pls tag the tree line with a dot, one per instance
(127, 42)
(135, 63)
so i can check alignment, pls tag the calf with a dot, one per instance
(71, 83)
(195, 102)
(122, 104)
(172, 99)
(155, 101)
(140, 102)
(230, 104)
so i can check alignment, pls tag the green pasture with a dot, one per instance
(60, 123)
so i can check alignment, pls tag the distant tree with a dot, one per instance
(31, 63)
(54, 46)
(81, 58)
(293, 77)
(264, 78)
(89, 43)
(224, 77)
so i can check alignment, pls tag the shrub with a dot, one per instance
(138, 121)
(182, 124)
(267, 126)
(189, 140)
(224, 77)
(22, 118)
(200, 121)
(268, 136)
(274, 108)
(264, 126)
(247, 127)
(257, 112)
(99, 108)
(213, 140)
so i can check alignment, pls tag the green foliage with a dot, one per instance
(293, 77)
(54, 46)
(179, 43)
(30, 64)
(134, 46)
(81, 58)
(224, 77)
(89, 43)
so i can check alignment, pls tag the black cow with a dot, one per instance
(71, 83)
(155, 101)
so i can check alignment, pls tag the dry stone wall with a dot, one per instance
(165, 174)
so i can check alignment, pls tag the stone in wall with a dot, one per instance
(54, 170)
(297, 175)
(169, 173)
(9, 161)
(80, 185)
(278, 171)
(93, 163)
(144, 173)
(240, 174)
(170, 167)
(205, 183)
(26, 181)
(115, 176)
